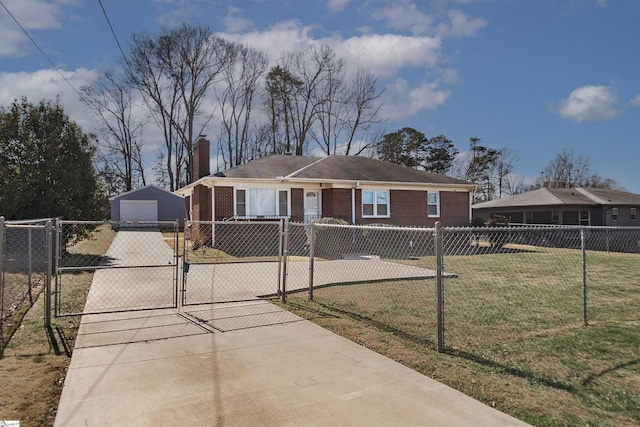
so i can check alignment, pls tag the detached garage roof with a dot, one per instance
(133, 194)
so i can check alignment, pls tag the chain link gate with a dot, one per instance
(232, 261)
(125, 265)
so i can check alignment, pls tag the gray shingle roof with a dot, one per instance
(349, 168)
(564, 196)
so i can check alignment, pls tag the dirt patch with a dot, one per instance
(36, 359)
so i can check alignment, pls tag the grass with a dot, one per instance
(514, 337)
(35, 360)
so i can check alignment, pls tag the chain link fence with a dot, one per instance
(520, 299)
(228, 261)
(25, 269)
(116, 266)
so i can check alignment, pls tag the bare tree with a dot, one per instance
(571, 170)
(502, 171)
(161, 95)
(239, 88)
(176, 71)
(362, 115)
(348, 113)
(119, 152)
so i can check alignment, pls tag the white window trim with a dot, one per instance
(248, 202)
(375, 205)
(633, 214)
(437, 193)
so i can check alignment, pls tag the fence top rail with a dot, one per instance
(375, 227)
(38, 221)
(67, 221)
(543, 227)
(238, 222)
(26, 226)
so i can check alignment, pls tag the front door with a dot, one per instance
(311, 206)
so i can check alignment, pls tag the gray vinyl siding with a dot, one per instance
(170, 206)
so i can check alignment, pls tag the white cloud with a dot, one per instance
(381, 54)
(635, 101)
(385, 54)
(32, 15)
(402, 101)
(337, 5)
(47, 85)
(589, 103)
(460, 25)
(405, 15)
(234, 21)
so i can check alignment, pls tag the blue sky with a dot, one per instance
(533, 76)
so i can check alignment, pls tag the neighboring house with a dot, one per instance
(148, 203)
(356, 189)
(565, 206)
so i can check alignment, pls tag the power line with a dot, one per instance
(38, 47)
(126, 61)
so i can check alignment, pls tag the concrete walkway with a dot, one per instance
(244, 364)
(269, 368)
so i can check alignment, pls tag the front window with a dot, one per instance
(614, 214)
(433, 204)
(375, 203)
(632, 214)
(261, 202)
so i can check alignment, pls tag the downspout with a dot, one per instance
(470, 208)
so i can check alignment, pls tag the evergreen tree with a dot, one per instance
(46, 164)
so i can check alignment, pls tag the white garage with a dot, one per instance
(139, 210)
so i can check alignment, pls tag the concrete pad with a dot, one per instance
(289, 374)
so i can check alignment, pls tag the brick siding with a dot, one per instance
(407, 207)
(224, 203)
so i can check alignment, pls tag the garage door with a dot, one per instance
(139, 210)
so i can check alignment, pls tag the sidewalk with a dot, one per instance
(260, 366)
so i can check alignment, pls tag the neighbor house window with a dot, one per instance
(375, 203)
(262, 202)
(433, 204)
(632, 214)
(614, 214)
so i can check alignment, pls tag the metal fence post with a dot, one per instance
(47, 289)
(584, 275)
(312, 239)
(57, 261)
(439, 288)
(285, 256)
(2, 229)
(280, 253)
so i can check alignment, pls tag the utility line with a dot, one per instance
(126, 61)
(41, 51)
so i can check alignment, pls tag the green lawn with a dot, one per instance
(514, 331)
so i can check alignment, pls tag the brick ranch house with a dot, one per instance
(359, 190)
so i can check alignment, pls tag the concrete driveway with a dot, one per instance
(243, 364)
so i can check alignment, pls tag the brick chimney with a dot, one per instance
(201, 158)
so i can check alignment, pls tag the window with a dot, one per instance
(614, 214)
(262, 202)
(375, 203)
(632, 214)
(433, 204)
